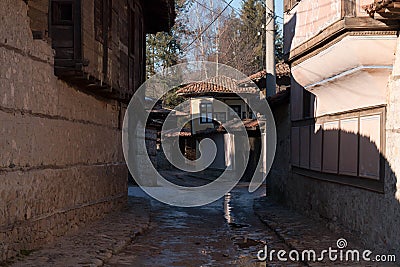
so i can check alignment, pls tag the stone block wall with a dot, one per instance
(61, 160)
(151, 144)
(374, 217)
(393, 123)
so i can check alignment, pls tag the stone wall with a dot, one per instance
(373, 216)
(61, 163)
(151, 144)
(393, 123)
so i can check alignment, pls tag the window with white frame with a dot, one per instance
(206, 113)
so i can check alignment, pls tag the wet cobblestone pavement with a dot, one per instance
(302, 233)
(229, 232)
(94, 244)
(224, 233)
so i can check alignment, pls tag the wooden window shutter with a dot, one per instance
(98, 18)
(132, 47)
(102, 19)
(64, 24)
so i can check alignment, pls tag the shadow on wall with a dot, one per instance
(334, 167)
(363, 201)
(289, 33)
(338, 175)
(337, 169)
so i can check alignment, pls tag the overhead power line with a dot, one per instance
(234, 8)
(205, 29)
(208, 8)
(238, 12)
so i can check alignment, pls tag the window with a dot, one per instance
(64, 27)
(206, 113)
(98, 18)
(248, 115)
(345, 148)
(62, 13)
(235, 109)
(132, 32)
(102, 18)
(102, 52)
(136, 37)
(220, 116)
(302, 103)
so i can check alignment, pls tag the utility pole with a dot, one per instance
(270, 48)
(261, 34)
(217, 44)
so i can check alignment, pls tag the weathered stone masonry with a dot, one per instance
(61, 162)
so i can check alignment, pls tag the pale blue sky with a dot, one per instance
(278, 7)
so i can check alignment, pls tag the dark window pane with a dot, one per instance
(235, 109)
(66, 12)
(220, 116)
(62, 13)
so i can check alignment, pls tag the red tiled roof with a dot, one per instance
(257, 76)
(237, 124)
(223, 84)
(282, 69)
(184, 132)
(218, 84)
(249, 124)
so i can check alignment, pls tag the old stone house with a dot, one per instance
(343, 131)
(215, 102)
(67, 71)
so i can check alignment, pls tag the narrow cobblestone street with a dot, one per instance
(225, 233)
(229, 232)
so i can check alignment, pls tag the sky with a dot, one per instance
(278, 7)
(237, 4)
